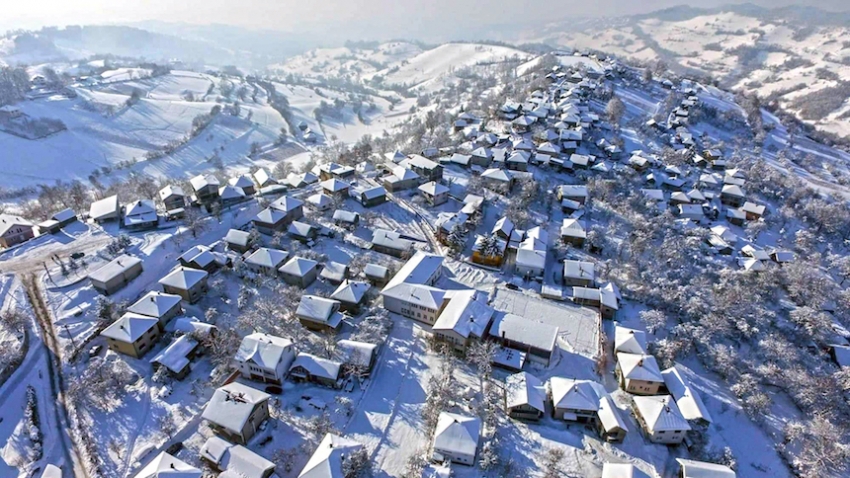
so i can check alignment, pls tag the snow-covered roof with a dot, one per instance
(630, 341)
(639, 367)
(752, 264)
(241, 182)
(319, 200)
(317, 308)
(618, 470)
(418, 270)
(351, 292)
(531, 255)
(298, 266)
(526, 331)
(660, 413)
(327, 461)
(230, 192)
(286, 204)
(184, 278)
(573, 228)
(176, 355)
(579, 270)
(334, 185)
(433, 188)
(264, 350)
(689, 401)
(750, 251)
(725, 233)
(609, 415)
(457, 434)
(373, 193)
(141, 211)
(701, 469)
(201, 181)
(130, 327)
(525, 389)
(300, 229)
(355, 353)
(754, 208)
(421, 295)
(317, 366)
(574, 394)
(458, 158)
(263, 177)
(235, 459)
(518, 157)
(154, 304)
(231, 405)
(418, 161)
(497, 174)
(235, 236)
(732, 190)
(114, 268)
(64, 215)
(391, 240)
(167, 466)
(104, 208)
(298, 180)
(375, 270)
(467, 314)
(269, 216)
(266, 257)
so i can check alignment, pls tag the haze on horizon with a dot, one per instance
(424, 19)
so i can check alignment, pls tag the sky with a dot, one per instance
(394, 16)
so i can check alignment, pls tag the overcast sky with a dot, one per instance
(394, 16)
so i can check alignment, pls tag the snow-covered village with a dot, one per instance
(400, 259)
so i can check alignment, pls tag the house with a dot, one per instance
(243, 183)
(55, 223)
(573, 232)
(172, 197)
(411, 294)
(573, 400)
(175, 358)
(116, 274)
(782, 257)
(530, 260)
(334, 272)
(158, 305)
(264, 358)
(140, 215)
(687, 398)
(489, 251)
(235, 460)
(482, 156)
(291, 207)
(629, 341)
(301, 180)
(456, 438)
(661, 420)
(229, 195)
(525, 396)
(263, 178)
(638, 374)
(503, 229)
(15, 230)
(536, 339)
(373, 196)
(701, 469)
(351, 295)
(464, 319)
(334, 170)
(376, 275)
(299, 271)
(518, 161)
(732, 195)
(391, 243)
(266, 261)
(270, 220)
(239, 241)
(580, 161)
(753, 211)
(236, 411)
(320, 202)
(335, 187)
(578, 273)
(302, 231)
(693, 212)
(132, 334)
(318, 313)
(400, 179)
(166, 465)
(736, 216)
(434, 193)
(329, 459)
(346, 218)
(609, 300)
(612, 427)
(106, 209)
(523, 124)
(190, 284)
(750, 251)
(310, 368)
(356, 357)
(498, 180)
(205, 187)
(200, 257)
(424, 167)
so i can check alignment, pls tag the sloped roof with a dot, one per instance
(579, 270)
(525, 389)
(317, 308)
(201, 181)
(526, 331)
(660, 413)
(629, 340)
(231, 405)
(334, 185)
(618, 470)
(457, 434)
(327, 460)
(262, 349)
(286, 204)
(317, 366)
(300, 229)
(639, 367)
(497, 175)
(104, 208)
(351, 292)
(235, 236)
(418, 269)
(609, 415)
(175, 355)
(701, 469)
(268, 216)
(391, 239)
(574, 394)
(467, 313)
(241, 182)
(689, 401)
(354, 352)
(154, 304)
(235, 459)
(167, 466)
(183, 278)
(130, 327)
(433, 188)
(298, 266)
(231, 192)
(114, 268)
(266, 257)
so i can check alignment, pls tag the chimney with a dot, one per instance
(640, 363)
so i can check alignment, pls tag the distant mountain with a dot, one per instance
(796, 56)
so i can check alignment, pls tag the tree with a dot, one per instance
(615, 110)
(357, 464)
(646, 75)
(654, 320)
(552, 459)
(194, 221)
(456, 239)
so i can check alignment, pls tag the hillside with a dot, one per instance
(798, 57)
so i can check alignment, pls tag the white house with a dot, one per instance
(687, 398)
(573, 400)
(465, 318)
(456, 438)
(266, 261)
(319, 313)
(661, 420)
(629, 341)
(639, 374)
(235, 460)
(579, 273)
(411, 293)
(264, 357)
(525, 396)
(237, 411)
(701, 469)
